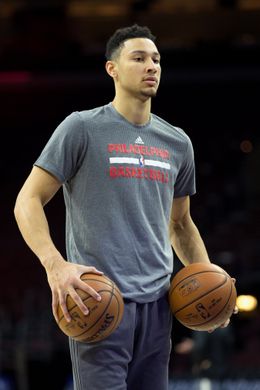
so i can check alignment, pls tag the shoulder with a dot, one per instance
(92, 114)
(168, 130)
(80, 121)
(172, 131)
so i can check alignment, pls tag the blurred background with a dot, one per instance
(52, 63)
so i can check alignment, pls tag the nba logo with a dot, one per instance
(141, 161)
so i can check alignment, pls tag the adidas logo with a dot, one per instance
(139, 140)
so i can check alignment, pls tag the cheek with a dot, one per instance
(129, 75)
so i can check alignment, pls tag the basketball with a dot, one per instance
(104, 316)
(202, 296)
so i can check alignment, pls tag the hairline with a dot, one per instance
(118, 51)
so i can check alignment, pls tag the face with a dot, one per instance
(137, 69)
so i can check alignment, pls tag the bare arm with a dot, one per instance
(63, 277)
(184, 235)
(36, 192)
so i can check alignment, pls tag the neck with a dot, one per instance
(133, 109)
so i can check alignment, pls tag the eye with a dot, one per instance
(156, 61)
(138, 59)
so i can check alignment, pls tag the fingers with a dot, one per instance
(85, 287)
(59, 298)
(226, 323)
(61, 301)
(211, 330)
(55, 306)
(236, 310)
(76, 298)
(63, 305)
(91, 270)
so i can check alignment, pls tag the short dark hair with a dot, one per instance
(121, 35)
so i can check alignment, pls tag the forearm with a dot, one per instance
(33, 225)
(187, 242)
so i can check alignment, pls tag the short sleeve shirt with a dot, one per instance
(119, 181)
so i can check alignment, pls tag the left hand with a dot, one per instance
(226, 323)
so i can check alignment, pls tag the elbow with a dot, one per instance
(20, 205)
(180, 227)
(180, 223)
(17, 207)
(176, 227)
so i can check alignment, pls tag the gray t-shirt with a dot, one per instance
(119, 181)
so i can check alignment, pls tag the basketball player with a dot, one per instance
(127, 177)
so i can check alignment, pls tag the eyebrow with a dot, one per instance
(145, 52)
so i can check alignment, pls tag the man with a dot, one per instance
(127, 176)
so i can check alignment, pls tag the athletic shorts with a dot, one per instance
(134, 357)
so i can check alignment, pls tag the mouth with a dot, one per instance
(151, 80)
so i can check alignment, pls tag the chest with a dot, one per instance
(134, 155)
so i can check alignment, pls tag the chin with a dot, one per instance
(149, 94)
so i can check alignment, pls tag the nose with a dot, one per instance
(151, 66)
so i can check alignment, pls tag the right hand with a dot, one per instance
(64, 279)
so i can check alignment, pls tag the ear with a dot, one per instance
(111, 69)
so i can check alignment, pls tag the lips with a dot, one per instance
(151, 81)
